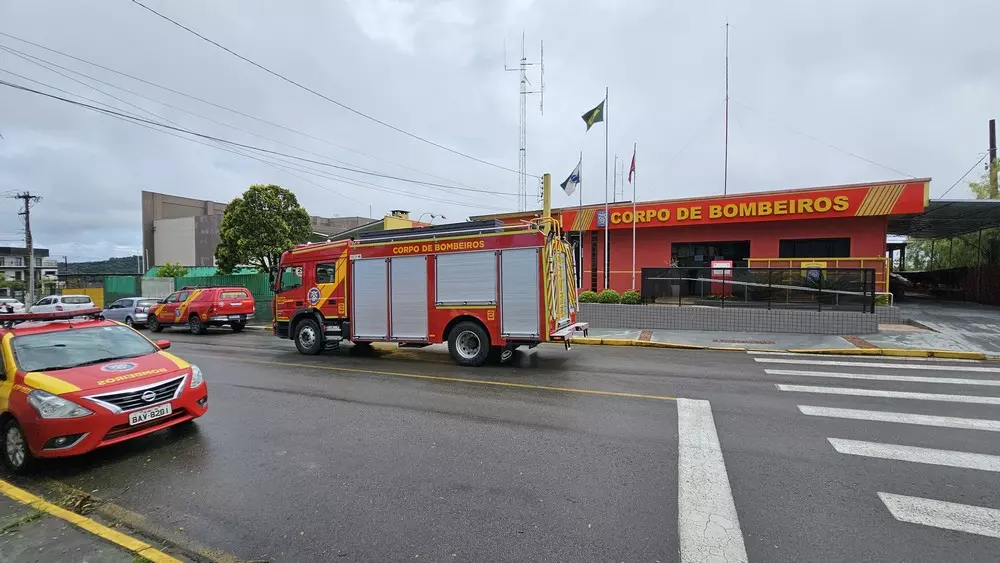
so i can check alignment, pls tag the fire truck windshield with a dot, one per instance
(290, 277)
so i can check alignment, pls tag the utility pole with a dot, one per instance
(29, 200)
(994, 190)
(725, 171)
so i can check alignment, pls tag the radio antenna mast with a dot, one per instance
(522, 156)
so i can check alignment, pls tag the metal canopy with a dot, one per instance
(948, 218)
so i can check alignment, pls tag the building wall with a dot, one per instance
(653, 244)
(174, 240)
(157, 206)
(206, 230)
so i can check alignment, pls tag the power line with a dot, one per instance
(222, 140)
(222, 107)
(327, 98)
(967, 172)
(820, 141)
(42, 63)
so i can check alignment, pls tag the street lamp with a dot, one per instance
(433, 217)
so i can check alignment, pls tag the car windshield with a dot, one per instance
(63, 349)
(147, 302)
(76, 300)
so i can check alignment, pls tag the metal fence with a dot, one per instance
(845, 289)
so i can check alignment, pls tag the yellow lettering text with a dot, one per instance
(714, 211)
(840, 203)
(663, 215)
(805, 206)
(748, 209)
(616, 218)
(627, 217)
(822, 204)
(683, 213)
(730, 210)
(781, 207)
(764, 208)
(695, 213)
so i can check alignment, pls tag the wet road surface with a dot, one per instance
(580, 455)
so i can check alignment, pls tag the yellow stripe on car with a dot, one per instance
(46, 382)
(181, 364)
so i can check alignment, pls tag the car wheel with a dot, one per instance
(469, 344)
(16, 454)
(154, 324)
(238, 327)
(308, 338)
(129, 322)
(195, 324)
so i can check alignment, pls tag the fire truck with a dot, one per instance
(483, 287)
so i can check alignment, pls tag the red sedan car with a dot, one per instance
(72, 383)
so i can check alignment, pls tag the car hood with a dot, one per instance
(117, 373)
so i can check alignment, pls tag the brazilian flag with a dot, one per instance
(595, 115)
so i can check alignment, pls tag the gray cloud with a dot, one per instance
(908, 88)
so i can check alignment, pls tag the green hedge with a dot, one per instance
(588, 297)
(609, 296)
(631, 297)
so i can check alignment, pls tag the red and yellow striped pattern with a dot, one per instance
(880, 200)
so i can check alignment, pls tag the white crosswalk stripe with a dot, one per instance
(945, 515)
(891, 394)
(903, 418)
(862, 357)
(894, 379)
(964, 460)
(873, 377)
(936, 367)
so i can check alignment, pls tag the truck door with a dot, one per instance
(289, 296)
(327, 292)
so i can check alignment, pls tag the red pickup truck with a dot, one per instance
(202, 307)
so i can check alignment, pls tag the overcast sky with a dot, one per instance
(909, 88)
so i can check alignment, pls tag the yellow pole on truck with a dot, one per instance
(546, 202)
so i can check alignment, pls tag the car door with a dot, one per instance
(111, 311)
(119, 310)
(168, 311)
(43, 305)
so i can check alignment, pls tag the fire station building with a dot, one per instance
(837, 227)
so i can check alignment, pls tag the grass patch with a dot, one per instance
(12, 524)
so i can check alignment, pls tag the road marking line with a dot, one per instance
(890, 394)
(936, 367)
(906, 378)
(135, 546)
(880, 358)
(945, 515)
(707, 522)
(950, 458)
(443, 378)
(904, 418)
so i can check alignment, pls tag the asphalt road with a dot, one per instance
(580, 455)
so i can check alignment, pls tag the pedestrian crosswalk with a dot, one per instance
(822, 385)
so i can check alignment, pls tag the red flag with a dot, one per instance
(631, 169)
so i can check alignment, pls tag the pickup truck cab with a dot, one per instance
(201, 307)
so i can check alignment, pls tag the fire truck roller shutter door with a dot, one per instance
(519, 293)
(408, 285)
(370, 298)
(466, 278)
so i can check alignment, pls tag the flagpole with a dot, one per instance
(635, 176)
(579, 223)
(607, 217)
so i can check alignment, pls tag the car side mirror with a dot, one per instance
(163, 344)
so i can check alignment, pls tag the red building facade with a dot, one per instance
(839, 226)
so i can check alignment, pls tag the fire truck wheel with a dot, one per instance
(238, 327)
(308, 338)
(195, 324)
(16, 455)
(469, 344)
(154, 324)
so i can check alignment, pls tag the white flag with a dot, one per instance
(569, 186)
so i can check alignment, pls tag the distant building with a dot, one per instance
(186, 230)
(14, 264)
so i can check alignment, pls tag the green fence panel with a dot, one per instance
(116, 287)
(257, 284)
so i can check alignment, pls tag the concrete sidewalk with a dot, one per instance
(896, 340)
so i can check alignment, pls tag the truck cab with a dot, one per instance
(311, 285)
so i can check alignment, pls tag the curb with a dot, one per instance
(898, 352)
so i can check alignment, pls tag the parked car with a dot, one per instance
(201, 307)
(130, 310)
(10, 305)
(59, 303)
(77, 384)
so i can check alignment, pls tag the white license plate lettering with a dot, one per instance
(234, 317)
(145, 415)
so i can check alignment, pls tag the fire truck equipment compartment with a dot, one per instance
(371, 307)
(467, 278)
(408, 290)
(519, 290)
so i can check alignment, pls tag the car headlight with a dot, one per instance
(54, 406)
(196, 377)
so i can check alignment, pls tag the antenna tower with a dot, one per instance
(522, 156)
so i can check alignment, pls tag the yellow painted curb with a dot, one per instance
(140, 548)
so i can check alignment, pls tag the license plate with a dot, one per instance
(145, 415)
(235, 317)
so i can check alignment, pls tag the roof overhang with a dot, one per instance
(948, 218)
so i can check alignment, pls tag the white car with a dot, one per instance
(54, 303)
(10, 305)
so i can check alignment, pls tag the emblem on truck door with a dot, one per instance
(314, 296)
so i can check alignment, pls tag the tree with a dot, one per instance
(171, 270)
(258, 227)
(956, 252)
